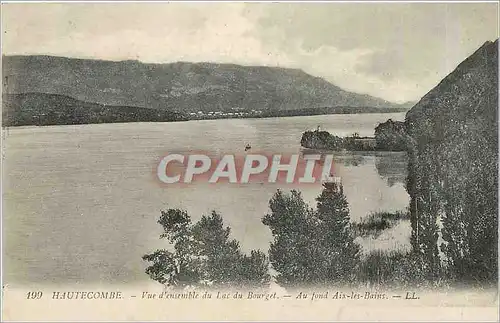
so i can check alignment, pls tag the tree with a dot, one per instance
(391, 135)
(425, 189)
(312, 247)
(470, 204)
(337, 234)
(180, 267)
(292, 252)
(254, 270)
(453, 171)
(204, 255)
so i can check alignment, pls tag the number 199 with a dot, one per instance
(34, 295)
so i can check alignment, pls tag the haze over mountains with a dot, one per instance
(181, 86)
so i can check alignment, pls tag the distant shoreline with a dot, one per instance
(45, 109)
(297, 113)
(4, 127)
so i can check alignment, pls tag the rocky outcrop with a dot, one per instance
(389, 136)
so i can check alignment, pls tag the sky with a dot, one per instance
(396, 51)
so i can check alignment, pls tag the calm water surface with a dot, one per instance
(81, 202)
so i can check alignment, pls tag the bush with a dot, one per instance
(396, 269)
(375, 223)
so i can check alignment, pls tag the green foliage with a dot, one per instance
(321, 140)
(453, 171)
(292, 225)
(311, 247)
(425, 208)
(470, 211)
(336, 234)
(254, 269)
(204, 255)
(394, 269)
(375, 223)
(391, 136)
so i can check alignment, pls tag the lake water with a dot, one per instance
(81, 202)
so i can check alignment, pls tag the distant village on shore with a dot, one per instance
(236, 113)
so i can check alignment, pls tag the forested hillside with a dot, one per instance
(453, 171)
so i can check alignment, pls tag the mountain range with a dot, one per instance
(181, 86)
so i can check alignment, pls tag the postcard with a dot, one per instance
(250, 161)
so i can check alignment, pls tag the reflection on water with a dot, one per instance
(339, 158)
(391, 166)
(81, 202)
